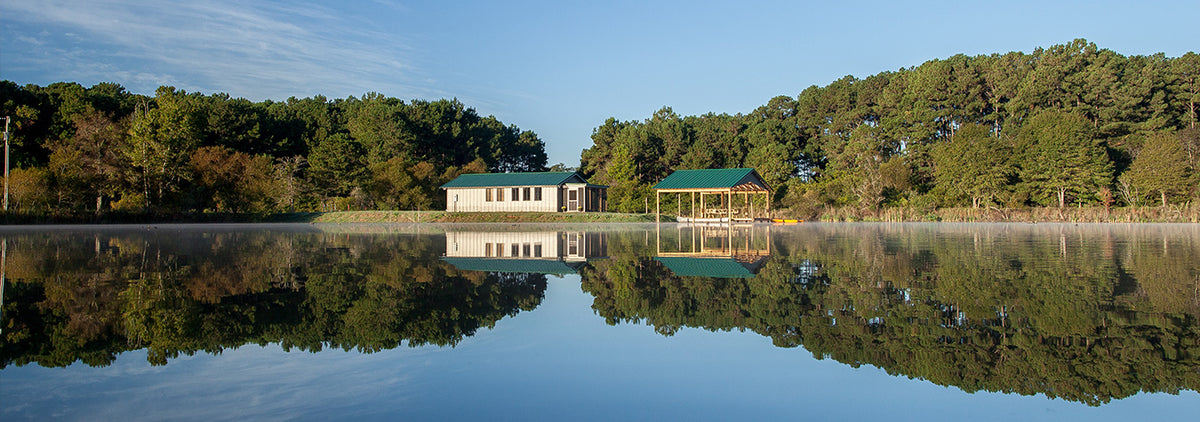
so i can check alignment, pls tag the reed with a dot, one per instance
(1183, 213)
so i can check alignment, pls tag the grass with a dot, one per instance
(462, 217)
(1188, 213)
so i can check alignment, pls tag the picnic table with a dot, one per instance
(720, 212)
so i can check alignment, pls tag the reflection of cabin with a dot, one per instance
(546, 252)
(726, 251)
(725, 195)
(517, 192)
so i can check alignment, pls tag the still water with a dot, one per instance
(601, 322)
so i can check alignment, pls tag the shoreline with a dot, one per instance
(1170, 214)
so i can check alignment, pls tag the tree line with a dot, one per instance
(100, 149)
(1067, 125)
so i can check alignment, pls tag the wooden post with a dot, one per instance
(767, 199)
(750, 201)
(657, 202)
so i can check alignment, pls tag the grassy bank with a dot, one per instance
(20, 218)
(16, 218)
(1170, 214)
(461, 217)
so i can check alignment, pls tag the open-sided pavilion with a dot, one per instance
(726, 184)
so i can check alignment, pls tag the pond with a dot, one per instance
(600, 322)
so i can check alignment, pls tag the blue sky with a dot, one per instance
(559, 68)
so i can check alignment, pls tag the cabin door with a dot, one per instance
(572, 200)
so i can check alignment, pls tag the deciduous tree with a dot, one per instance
(1059, 158)
(973, 164)
(1161, 167)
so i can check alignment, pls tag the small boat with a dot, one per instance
(785, 221)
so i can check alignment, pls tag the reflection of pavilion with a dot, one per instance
(544, 252)
(714, 251)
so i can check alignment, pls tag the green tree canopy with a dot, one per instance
(1161, 168)
(1060, 159)
(973, 164)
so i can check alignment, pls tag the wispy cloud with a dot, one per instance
(248, 48)
(250, 382)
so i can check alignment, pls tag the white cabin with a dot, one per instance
(525, 192)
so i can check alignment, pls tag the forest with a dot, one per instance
(83, 151)
(1065, 126)
(1071, 125)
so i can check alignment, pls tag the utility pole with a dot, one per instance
(6, 120)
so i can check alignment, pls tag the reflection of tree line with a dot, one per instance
(69, 300)
(1085, 315)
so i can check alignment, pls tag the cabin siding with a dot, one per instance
(501, 245)
(566, 246)
(475, 199)
(524, 192)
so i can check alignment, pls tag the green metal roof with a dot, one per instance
(706, 267)
(478, 180)
(710, 179)
(538, 266)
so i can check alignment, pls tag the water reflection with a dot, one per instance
(717, 251)
(537, 252)
(88, 296)
(1085, 313)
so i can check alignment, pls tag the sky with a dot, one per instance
(558, 68)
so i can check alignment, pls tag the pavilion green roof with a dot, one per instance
(711, 179)
(551, 178)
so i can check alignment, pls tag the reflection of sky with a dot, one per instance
(559, 362)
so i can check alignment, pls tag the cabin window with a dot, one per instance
(487, 247)
(525, 250)
(537, 194)
(516, 194)
(537, 247)
(488, 196)
(499, 194)
(516, 249)
(525, 194)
